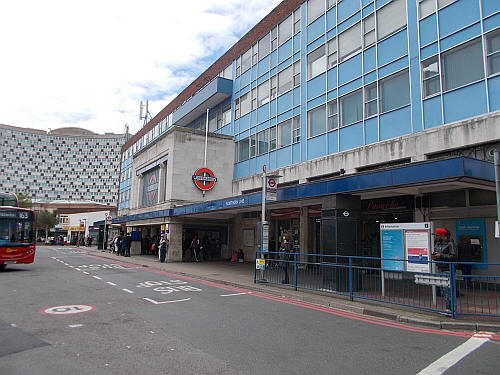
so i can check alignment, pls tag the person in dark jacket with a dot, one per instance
(127, 242)
(163, 248)
(285, 248)
(465, 254)
(445, 250)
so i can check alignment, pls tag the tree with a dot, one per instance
(24, 200)
(45, 220)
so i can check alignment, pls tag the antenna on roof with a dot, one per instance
(144, 112)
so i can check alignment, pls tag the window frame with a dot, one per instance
(436, 76)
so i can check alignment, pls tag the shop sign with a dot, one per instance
(390, 203)
(204, 179)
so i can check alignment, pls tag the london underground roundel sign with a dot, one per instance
(204, 179)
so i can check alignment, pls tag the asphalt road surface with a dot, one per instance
(73, 313)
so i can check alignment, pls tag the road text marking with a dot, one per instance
(128, 291)
(162, 302)
(97, 277)
(110, 283)
(67, 309)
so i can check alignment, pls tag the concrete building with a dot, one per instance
(370, 111)
(63, 164)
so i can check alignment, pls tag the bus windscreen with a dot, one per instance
(16, 228)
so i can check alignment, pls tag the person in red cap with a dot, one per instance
(445, 250)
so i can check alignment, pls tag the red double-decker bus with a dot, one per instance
(17, 232)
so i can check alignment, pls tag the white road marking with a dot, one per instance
(128, 291)
(78, 269)
(234, 294)
(159, 303)
(110, 283)
(75, 325)
(97, 277)
(86, 273)
(456, 355)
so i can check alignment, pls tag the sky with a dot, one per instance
(90, 63)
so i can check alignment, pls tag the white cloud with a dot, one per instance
(90, 63)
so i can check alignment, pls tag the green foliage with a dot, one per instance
(45, 219)
(24, 200)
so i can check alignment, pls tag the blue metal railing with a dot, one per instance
(445, 289)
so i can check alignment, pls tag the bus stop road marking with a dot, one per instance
(235, 294)
(128, 291)
(163, 302)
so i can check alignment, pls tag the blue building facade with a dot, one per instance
(326, 77)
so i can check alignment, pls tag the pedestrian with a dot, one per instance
(466, 255)
(445, 251)
(163, 248)
(121, 244)
(195, 248)
(285, 250)
(127, 242)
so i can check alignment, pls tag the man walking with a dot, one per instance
(445, 250)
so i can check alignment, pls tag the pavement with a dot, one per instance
(241, 275)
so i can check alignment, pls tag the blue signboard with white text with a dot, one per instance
(392, 250)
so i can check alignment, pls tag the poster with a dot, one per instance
(476, 230)
(417, 250)
(392, 250)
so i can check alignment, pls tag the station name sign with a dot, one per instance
(204, 179)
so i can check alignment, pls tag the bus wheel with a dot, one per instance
(2, 266)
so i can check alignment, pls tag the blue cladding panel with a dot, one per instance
(254, 74)
(414, 66)
(245, 122)
(393, 67)
(370, 77)
(296, 153)
(285, 102)
(371, 130)
(428, 30)
(392, 48)
(285, 51)
(318, 42)
(350, 87)
(263, 66)
(332, 78)
(490, 6)
(351, 69)
(316, 86)
(458, 15)
(274, 59)
(331, 18)
(316, 29)
(226, 130)
(242, 169)
(492, 22)
(260, 161)
(370, 59)
(245, 78)
(479, 169)
(244, 134)
(296, 96)
(296, 43)
(351, 136)
(332, 95)
(395, 123)
(285, 116)
(262, 79)
(429, 51)
(263, 113)
(432, 112)
(316, 102)
(245, 90)
(344, 25)
(423, 172)
(331, 34)
(316, 147)
(347, 9)
(333, 142)
(366, 2)
(465, 102)
(494, 89)
(368, 10)
(381, 3)
(285, 64)
(262, 126)
(284, 157)
(460, 37)
(272, 160)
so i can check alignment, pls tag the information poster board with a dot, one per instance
(476, 230)
(406, 246)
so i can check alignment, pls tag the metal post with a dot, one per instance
(453, 296)
(497, 179)
(295, 270)
(351, 293)
(104, 234)
(263, 213)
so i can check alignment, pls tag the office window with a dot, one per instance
(296, 21)
(296, 73)
(430, 75)
(228, 72)
(264, 46)
(285, 80)
(254, 99)
(245, 104)
(443, 3)
(315, 8)
(263, 93)
(274, 38)
(238, 66)
(371, 100)
(255, 54)
(391, 18)
(316, 62)
(296, 129)
(262, 142)
(369, 30)
(426, 8)
(253, 145)
(285, 30)
(331, 3)
(316, 121)
(350, 42)
(243, 149)
(226, 115)
(463, 65)
(274, 89)
(332, 53)
(394, 92)
(493, 52)
(272, 138)
(285, 133)
(351, 108)
(246, 60)
(333, 118)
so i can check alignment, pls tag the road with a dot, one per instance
(73, 313)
